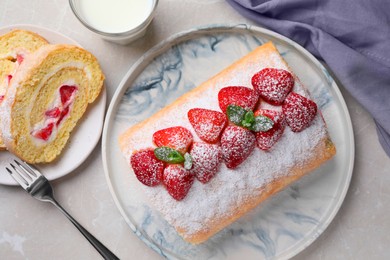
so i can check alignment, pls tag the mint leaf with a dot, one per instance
(235, 114)
(187, 161)
(249, 119)
(261, 124)
(169, 155)
(241, 117)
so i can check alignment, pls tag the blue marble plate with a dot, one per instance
(282, 226)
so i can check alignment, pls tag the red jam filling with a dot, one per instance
(53, 113)
(45, 133)
(66, 93)
(19, 58)
(57, 113)
(62, 115)
(9, 77)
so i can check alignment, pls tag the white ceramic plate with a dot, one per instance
(83, 138)
(282, 226)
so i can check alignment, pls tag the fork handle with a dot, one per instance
(104, 251)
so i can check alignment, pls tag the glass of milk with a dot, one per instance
(119, 21)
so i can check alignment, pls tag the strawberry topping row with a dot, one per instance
(228, 137)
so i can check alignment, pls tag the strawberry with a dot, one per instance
(299, 111)
(44, 133)
(9, 77)
(239, 96)
(147, 168)
(206, 159)
(62, 115)
(177, 137)
(53, 113)
(177, 181)
(237, 143)
(265, 140)
(208, 124)
(19, 58)
(66, 93)
(1, 98)
(273, 85)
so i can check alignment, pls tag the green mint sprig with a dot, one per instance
(241, 117)
(170, 155)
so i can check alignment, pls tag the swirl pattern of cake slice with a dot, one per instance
(14, 47)
(46, 98)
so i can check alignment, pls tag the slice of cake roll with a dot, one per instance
(14, 47)
(47, 96)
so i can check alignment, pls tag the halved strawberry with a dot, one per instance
(206, 159)
(147, 168)
(239, 96)
(237, 143)
(66, 93)
(177, 181)
(299, 111)
(265, 140)
(177, 137)
(208, 124)
(273, 85)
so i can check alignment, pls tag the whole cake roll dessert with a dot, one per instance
(48, 94)
(14, 47)
(227, 145)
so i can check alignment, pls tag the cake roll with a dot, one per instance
(224, 147)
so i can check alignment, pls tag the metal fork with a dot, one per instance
(34, 183)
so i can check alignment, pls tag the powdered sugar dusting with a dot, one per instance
(208, 124)
(229, 188)
(237, 143)
(299, 111)
(147, 168)
(273, 84)
(177, 180)
(206, 160)
(237, 95)
(177, 137)
(265, 140)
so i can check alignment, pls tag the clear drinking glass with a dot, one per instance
(119, 21)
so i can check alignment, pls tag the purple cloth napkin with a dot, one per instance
(351, 36)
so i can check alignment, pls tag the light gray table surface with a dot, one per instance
(30, 229)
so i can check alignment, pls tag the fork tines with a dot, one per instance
(24, 174)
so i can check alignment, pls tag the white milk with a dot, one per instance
(115, 16)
